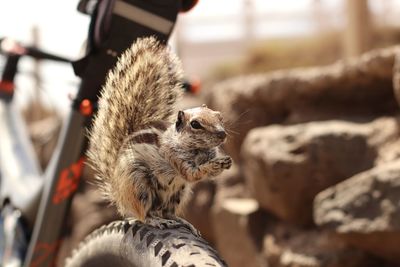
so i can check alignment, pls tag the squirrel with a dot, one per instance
(146, 155)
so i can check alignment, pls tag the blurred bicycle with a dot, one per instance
(34, 205)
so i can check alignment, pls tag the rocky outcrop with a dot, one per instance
(396, 78)
(230, 184)
(287, 246)
(365, 210)
(352, 90)
(385, 133)
(248, 236)
(238, 226)
(198, 208)
(286, 166)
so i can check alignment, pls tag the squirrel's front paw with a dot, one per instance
(222, 163)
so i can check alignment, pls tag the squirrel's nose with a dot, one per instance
(221, 134)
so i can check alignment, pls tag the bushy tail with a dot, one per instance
(142, 89)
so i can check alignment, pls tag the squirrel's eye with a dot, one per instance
(196, 125)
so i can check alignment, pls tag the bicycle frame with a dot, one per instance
(17, 163)
(44, 199)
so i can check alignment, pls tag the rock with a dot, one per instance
(385, 137)
(286, 246)
(238, 227)
(286, 166)
(347, 89)
(396, 78)
(230, 184)
(198, 208)
(365, 210)
(231, 177)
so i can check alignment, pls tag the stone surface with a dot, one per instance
(230, 184)
(230, 177)
(365, 210)
(198, 208)
(396, 78)
(238, 227)
(351, 90)
(287, 246)
(286, 166)
(385, 136)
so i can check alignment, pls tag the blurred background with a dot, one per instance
(310, 92)
(217, 39)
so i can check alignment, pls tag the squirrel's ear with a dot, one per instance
(180, 121)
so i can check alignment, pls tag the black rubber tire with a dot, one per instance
(132, 243)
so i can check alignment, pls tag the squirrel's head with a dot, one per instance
(200, 127)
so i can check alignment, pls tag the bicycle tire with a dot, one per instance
(132, 243)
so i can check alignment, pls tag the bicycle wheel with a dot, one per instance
(132, 243)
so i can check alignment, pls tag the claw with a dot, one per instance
(171, 222)
(160, 223)
(186, 224)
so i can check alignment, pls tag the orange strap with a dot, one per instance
(7, 87)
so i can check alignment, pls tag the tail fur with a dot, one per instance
(142, 89)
